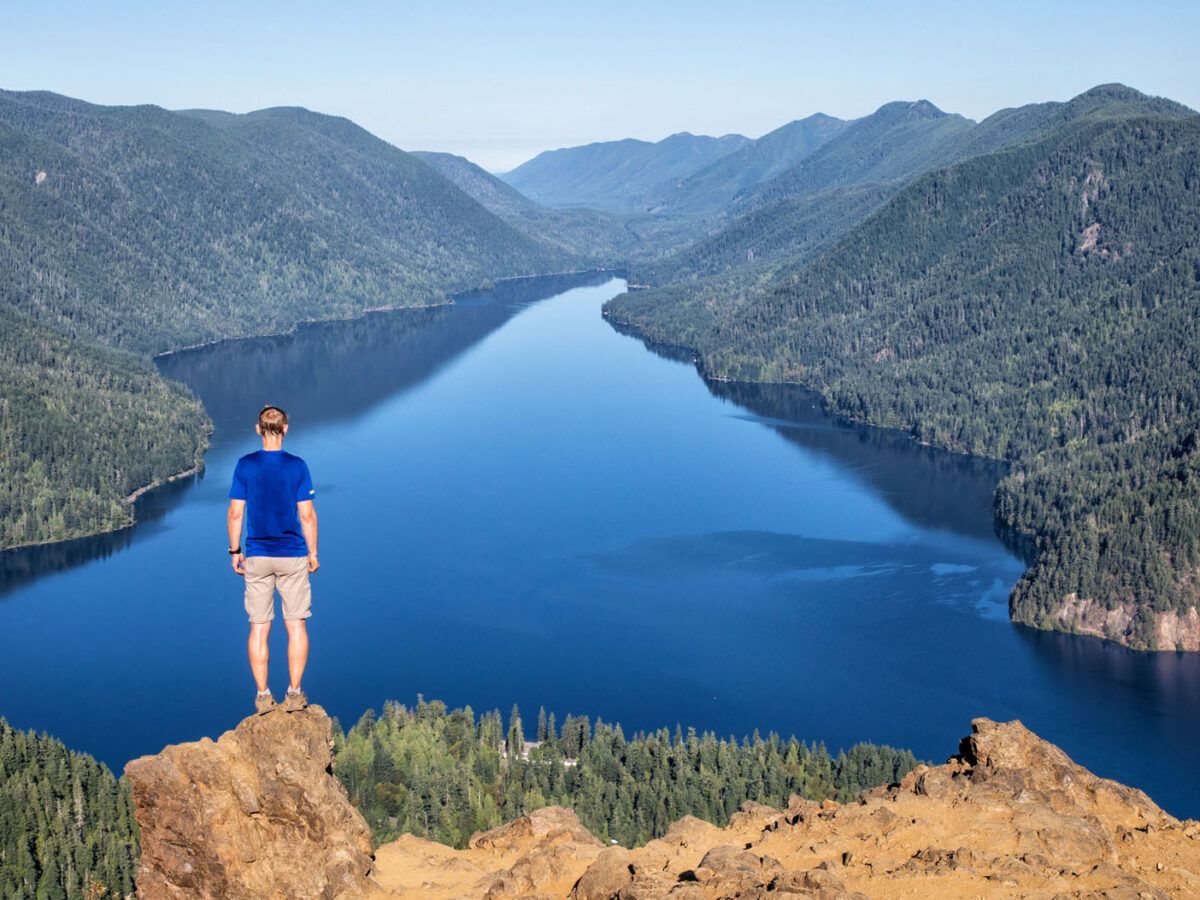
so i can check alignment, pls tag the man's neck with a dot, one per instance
(272, 443)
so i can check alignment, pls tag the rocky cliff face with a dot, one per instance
(1010, 815)
(256, 813)
(1171, 631)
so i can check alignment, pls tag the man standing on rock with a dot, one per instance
(273, 491)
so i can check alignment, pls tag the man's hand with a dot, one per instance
(238, 561)
(313, 563)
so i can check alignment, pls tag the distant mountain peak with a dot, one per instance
(909, 109)
(1112, 91)
(1123, 100)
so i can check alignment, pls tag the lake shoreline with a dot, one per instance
(362, 314)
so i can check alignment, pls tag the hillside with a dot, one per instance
(807, 205)
(143, 230)
(1037, 304)
(894, 142)
(595, 237)
(152, 230)
(761, 160)
(81, 428)
(256, 813)
(617, 175)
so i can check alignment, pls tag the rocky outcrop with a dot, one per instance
(1010, 815)
(258, 814)
(255, 814)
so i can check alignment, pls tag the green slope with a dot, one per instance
(592, 236)
(1039, 303)
(776, 152)
(791, 217)
(617, 175)
(154, 229)
(81, 428)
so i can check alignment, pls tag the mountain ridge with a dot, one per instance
(616, 175)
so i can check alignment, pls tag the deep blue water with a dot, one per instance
(520, 504)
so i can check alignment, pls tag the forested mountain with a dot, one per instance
(1040, 303)
(774, 153)
(150, 229)
(781, 200)
(806, 207)
(803, 212)
(892, 143)
(445, 774)
(617, 175)
(66, 823)
(145, 230)
(595, 237)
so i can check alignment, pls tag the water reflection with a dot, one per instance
(388, 352)
(931, 488)
(24, 564)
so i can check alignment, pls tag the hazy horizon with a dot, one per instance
(500, 85)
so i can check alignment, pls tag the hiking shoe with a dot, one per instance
(263, 704)
(294, 701)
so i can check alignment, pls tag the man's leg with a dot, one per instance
(259, 653)
(297, 630)
(260, 607)
(296, 593)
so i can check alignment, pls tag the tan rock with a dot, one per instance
(255, 814)
(1010, 816)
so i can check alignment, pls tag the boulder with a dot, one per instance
(255, 814)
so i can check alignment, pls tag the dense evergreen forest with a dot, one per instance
(144, 230)
(1039, 304)
(80, 428)
(445, 774)
(66, 822)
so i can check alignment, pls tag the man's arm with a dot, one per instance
(308, 524)
(237, 511)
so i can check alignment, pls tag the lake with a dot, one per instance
(518, 503)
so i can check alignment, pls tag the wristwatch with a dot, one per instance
(235, 551)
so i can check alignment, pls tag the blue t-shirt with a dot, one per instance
(272, 482)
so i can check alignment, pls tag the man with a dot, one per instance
(273, 491)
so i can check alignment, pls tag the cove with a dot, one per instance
(520, 504)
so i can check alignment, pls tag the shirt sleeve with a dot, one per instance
(305, 490)
(237, 490)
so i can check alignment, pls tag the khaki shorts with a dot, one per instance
(287, 573)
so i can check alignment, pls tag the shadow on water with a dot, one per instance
(931, 488)
(388, 352)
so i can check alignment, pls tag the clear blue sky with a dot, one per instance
(500, 81)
